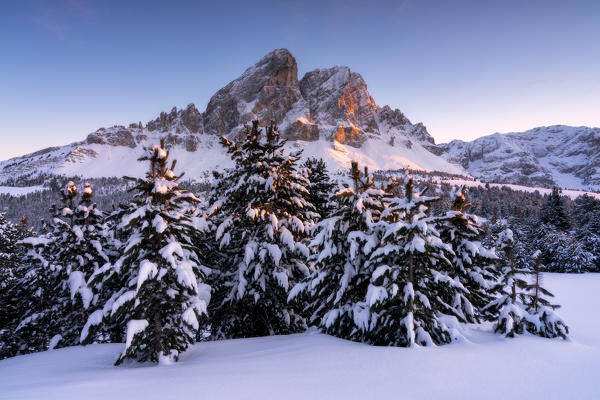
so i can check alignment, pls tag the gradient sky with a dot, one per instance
(463, 68)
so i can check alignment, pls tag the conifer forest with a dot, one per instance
(276, 246)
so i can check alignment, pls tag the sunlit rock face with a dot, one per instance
(338, 99)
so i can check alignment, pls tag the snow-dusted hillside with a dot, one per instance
(316, 366)
(329, 112)
(573, 194)
(555, 155)
(101, 160)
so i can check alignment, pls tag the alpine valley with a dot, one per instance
(330, 114)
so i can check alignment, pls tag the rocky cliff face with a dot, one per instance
(338, 102)
(266, 91)
(556, 155)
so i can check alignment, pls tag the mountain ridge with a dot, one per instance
(328, 112)
(560, 155)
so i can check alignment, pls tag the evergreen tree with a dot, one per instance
(587, 213)
(25, 230)
(30, 300)
(410, 278)
(52, 292)
(586, 209)
(335, 291)
(554, 211)
(321, 187)
(472, 263)
(263, 220)
(9, 262)
(541, 319)
(157, 285)
(510, 310)
(562, 252)
(522, 306)
(9, 254)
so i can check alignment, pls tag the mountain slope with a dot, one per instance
(329, 112)
(555, 155)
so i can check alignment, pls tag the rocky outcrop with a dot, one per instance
(188, 120)
(302, 129)
(114, 136)
(80, 154)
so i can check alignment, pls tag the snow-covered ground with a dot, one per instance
(316, 366)
(566, 192)
(20, 190)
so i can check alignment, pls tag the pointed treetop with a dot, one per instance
(459, 199)
(409, 186)
(86, 196)
(69, 193)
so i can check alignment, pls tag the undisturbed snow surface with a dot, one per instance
(316, 366)
(19, 191)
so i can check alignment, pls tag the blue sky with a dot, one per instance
(463, 68)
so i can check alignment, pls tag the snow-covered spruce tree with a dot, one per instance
(554, 211)
(52, 290)
(159, 295)
(263, 219)
(335, 291)
(9, 262)
(9, 254)
(509, 306)
(94, 250)
(563, 252)
(410, 278)
(25, 230)
(541, 319)
(588, 235)
(473, 264)
(321, 187)
(30, 303)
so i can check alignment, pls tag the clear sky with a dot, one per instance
(463, 68)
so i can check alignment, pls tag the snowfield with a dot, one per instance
(316, 366)
(573, 194)
(20, 191)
